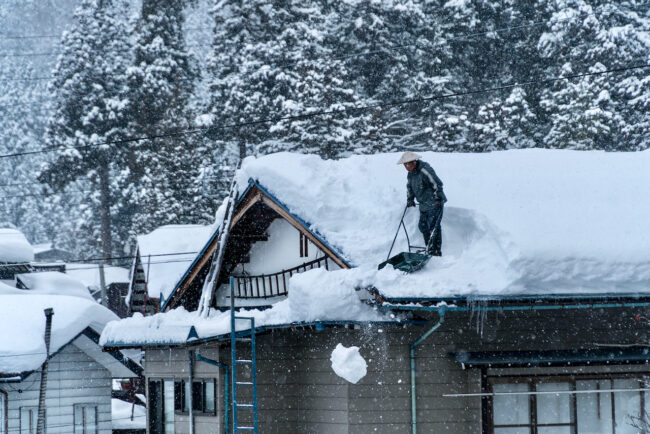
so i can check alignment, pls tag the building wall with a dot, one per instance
(73, 378)
(299, 393)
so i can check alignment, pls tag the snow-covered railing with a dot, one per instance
(272, 285)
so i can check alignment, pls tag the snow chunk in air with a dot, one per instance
(348, 364)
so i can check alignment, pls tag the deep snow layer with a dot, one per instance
(306, 303)
(22, 321)
(521, 221)
(167, 252)
(14, 247)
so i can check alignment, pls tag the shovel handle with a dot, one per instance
(401, 222)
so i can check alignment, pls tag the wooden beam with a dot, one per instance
(246, 205)
(288, 217)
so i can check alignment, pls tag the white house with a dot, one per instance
(79, 373)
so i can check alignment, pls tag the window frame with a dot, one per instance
(533, 380)
(33, 409)
(180, 402)
(4, 403)
(160, 426)
(84, 406)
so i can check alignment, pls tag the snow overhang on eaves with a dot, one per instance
(194, 339)
(254, 185)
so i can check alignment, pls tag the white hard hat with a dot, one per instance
(408, 156)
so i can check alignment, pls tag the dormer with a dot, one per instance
(266, 245)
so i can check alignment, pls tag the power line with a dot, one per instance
(317, 113)
(340, 57)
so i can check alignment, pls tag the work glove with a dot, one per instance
(410, 203)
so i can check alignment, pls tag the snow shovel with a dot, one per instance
(408, 262)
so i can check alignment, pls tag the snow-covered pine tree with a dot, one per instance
(599, 111)
(162, 181)
(90, 99)
(272, 63)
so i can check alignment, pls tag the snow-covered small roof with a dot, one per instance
(22, 321)
(14, 247)
(167, 252)
(53, 282)
(42, 247)
(89, 274)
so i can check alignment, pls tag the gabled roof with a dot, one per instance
(22, 313)
(166, 252)
(254, 194)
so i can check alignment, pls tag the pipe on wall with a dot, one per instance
(414, 417)
(190, 368)
(226, 382)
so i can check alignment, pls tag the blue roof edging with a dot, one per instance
(254, 183)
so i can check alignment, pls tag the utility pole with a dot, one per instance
(40, 427)
(102, 284)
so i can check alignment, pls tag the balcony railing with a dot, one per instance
(272, 285)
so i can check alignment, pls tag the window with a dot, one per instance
(161, 406)
(28, 420)
(304, 246)
(577, 405)
(3, 412)
(203, 396)
(85, 419)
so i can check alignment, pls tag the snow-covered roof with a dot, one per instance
(517, 223)
(53, 282)
(520, 221)
(127, 416)
(89, 274)
(167, 252)
(22, 345)
(14, 247)
(306, 303)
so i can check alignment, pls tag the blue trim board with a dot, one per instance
(319, 325)
(304, 223)
(536, 358)
(251, 184)
(474, 298)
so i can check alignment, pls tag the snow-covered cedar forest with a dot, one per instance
(117, 117)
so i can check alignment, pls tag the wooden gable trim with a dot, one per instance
(253, 196)
(288, 217)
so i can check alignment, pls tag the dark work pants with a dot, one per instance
(429, 228)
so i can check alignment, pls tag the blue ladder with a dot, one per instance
(236, 362)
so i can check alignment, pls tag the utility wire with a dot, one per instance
(339, 57)
(344, 110)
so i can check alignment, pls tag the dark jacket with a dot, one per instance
(424, 185)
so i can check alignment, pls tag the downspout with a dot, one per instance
(226, 382)
(40, 425)
(414, 418)
(190, 367)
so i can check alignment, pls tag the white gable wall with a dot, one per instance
(280, 252)
(73, 378)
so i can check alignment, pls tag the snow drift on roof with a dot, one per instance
(53, 282)
(22, 346)
(89, 274)
(517, 221)
(14, 247)
(172, 249)
(306, 303)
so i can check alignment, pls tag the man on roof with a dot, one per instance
(424, 185)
